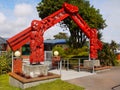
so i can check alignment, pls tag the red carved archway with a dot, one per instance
(34, 33)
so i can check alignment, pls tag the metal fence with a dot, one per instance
(68, 64)
(3, 53)
(73, 63)
(65, 63)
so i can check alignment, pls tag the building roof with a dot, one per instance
(55, 41)
(2, 40)
(51, 41)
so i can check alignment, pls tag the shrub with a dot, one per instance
(5, 62)
(107, 55)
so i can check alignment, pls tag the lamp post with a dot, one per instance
(56, 53)
(56, 58)
(16, 61)
(17, 53)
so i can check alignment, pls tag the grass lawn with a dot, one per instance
(54, 85)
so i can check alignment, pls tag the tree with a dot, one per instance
(113, 46)
(88, 13)
(61, 35)
(107, 55)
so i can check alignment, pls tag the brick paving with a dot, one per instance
(105, 80)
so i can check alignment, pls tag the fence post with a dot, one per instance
(60, 67)
(79, 64)
(67, 64)
(12, 60)
(93, 66)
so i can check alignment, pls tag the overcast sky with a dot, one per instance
(16, 15)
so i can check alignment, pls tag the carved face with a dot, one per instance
(36, 25)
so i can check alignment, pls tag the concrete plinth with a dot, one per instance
(21, 82)
(90, 63)
(35, 70)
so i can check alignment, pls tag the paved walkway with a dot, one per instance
(101, 81)
(70, 74)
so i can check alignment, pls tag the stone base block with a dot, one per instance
(21, 82)
(90, 63)
(35, 70)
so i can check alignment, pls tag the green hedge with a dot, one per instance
(5, 62)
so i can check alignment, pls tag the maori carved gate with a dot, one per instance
(34, 33)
